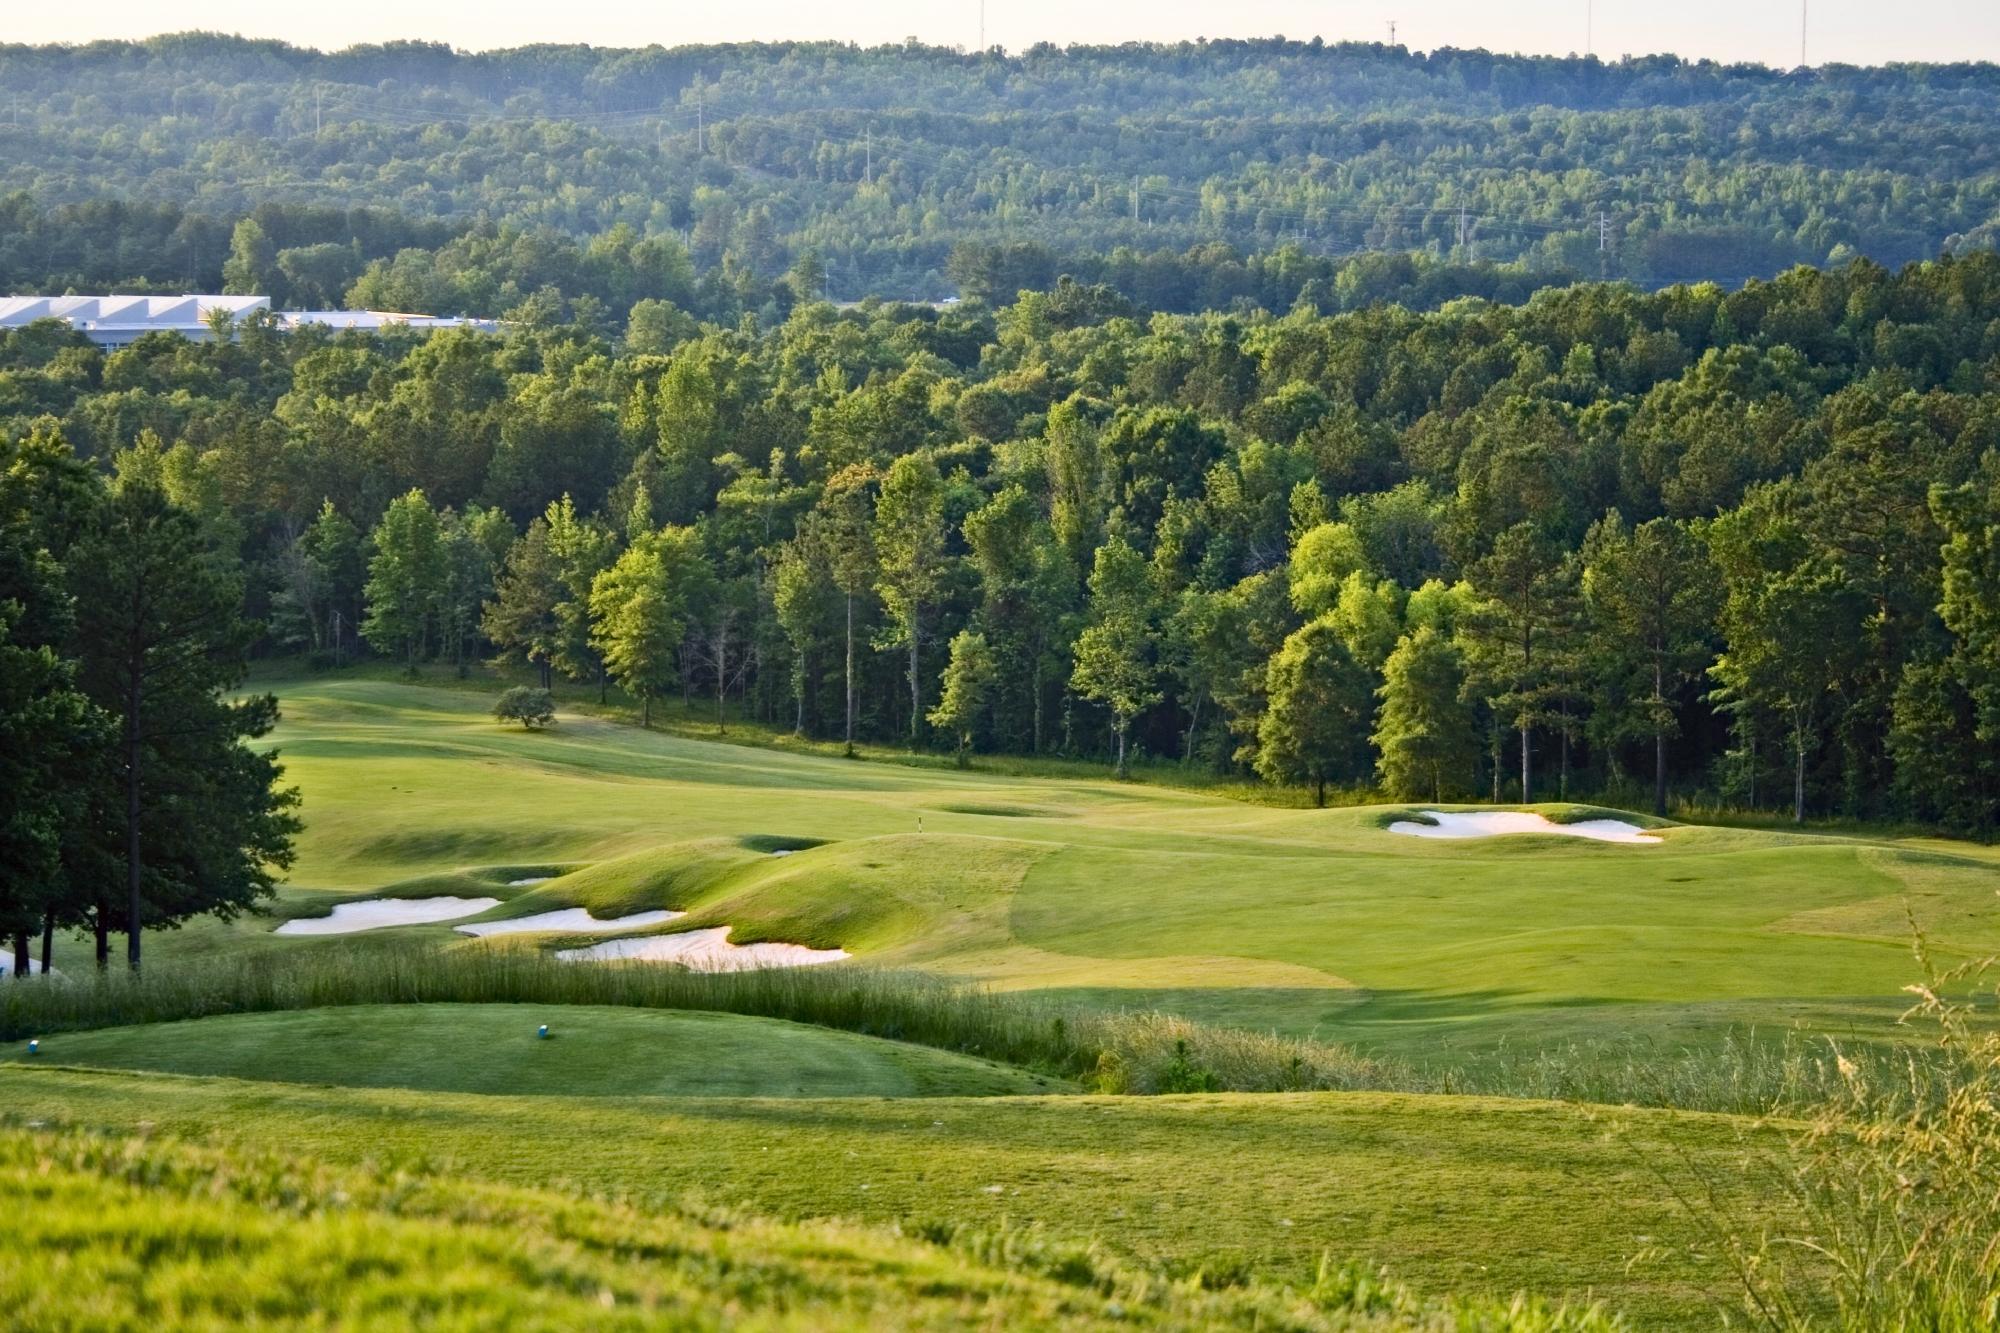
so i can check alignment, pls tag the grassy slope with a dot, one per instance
(593, 1051)
(1308, 921)
(1458, 1195)
(135, 1234)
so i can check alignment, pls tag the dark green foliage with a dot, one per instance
(532, 708)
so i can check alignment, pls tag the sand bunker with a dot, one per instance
(376, 913)
(568, 921)
(1493, 823)
(704, 951)
(34, 967)
(532, 879)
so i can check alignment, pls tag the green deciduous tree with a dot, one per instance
(1320, 704)
(968, 680)
(406, 578)
(639, 611)
(1115, 652)
(910, 550)
(1425, 731)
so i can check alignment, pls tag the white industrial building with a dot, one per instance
(119, 321)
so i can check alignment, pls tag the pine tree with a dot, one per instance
(1650, 592)
(520, 620)
(1524, 624)
(199, 822)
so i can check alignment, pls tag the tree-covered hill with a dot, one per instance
(871, 165)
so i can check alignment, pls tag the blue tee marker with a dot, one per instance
(34, 1047)
(542, 1031)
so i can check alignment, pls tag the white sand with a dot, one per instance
(568, 921)
(1493, 823)
(704, 951)
(784, 851)
(523, 883)
(7, 965)
(375, 913)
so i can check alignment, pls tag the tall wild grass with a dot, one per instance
(1895, 1182)
(1109, 1052)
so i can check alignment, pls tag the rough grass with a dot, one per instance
(1125, 1052)
(1467, 1196)
(113, 1233)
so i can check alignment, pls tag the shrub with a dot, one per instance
(527, 705)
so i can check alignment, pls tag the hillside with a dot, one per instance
(1157, 167)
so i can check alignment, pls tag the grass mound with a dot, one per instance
(593, 1051)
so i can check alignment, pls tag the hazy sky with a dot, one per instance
(1856, 31)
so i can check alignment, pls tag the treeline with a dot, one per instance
(133, 799)
(876, 162)
(1735, 545)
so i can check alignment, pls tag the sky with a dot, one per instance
(1853, 31)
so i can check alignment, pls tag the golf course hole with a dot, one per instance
(703, 951)
(777, 844)
(1002, 811)
(1499, 823)
(568, 921)
(378, 913)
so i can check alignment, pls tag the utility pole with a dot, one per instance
(1392, 32)
(316, 93)
(1135, 199)
(1603, 245)
(1802, 33)
(1461, 229)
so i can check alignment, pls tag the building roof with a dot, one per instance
(118, 320)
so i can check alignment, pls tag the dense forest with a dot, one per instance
(1739, 547)
(1192, 177)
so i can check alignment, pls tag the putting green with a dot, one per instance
(592, 1051)
(1310, 922)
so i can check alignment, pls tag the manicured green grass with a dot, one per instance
(592, 1051)
(1455, 1195)
(1116, 895)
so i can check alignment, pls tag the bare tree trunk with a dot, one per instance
(1038, 702)
(850, 675)
(103, 933)
(134, 696)
(1194, 721)
(1527, 790)
(1122, 725)
(916, 688)
(1659, 745)
(1799, 779)
(646, 714)
(1319, 793)
(48, 938)
(23, 960)
(721, 679)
